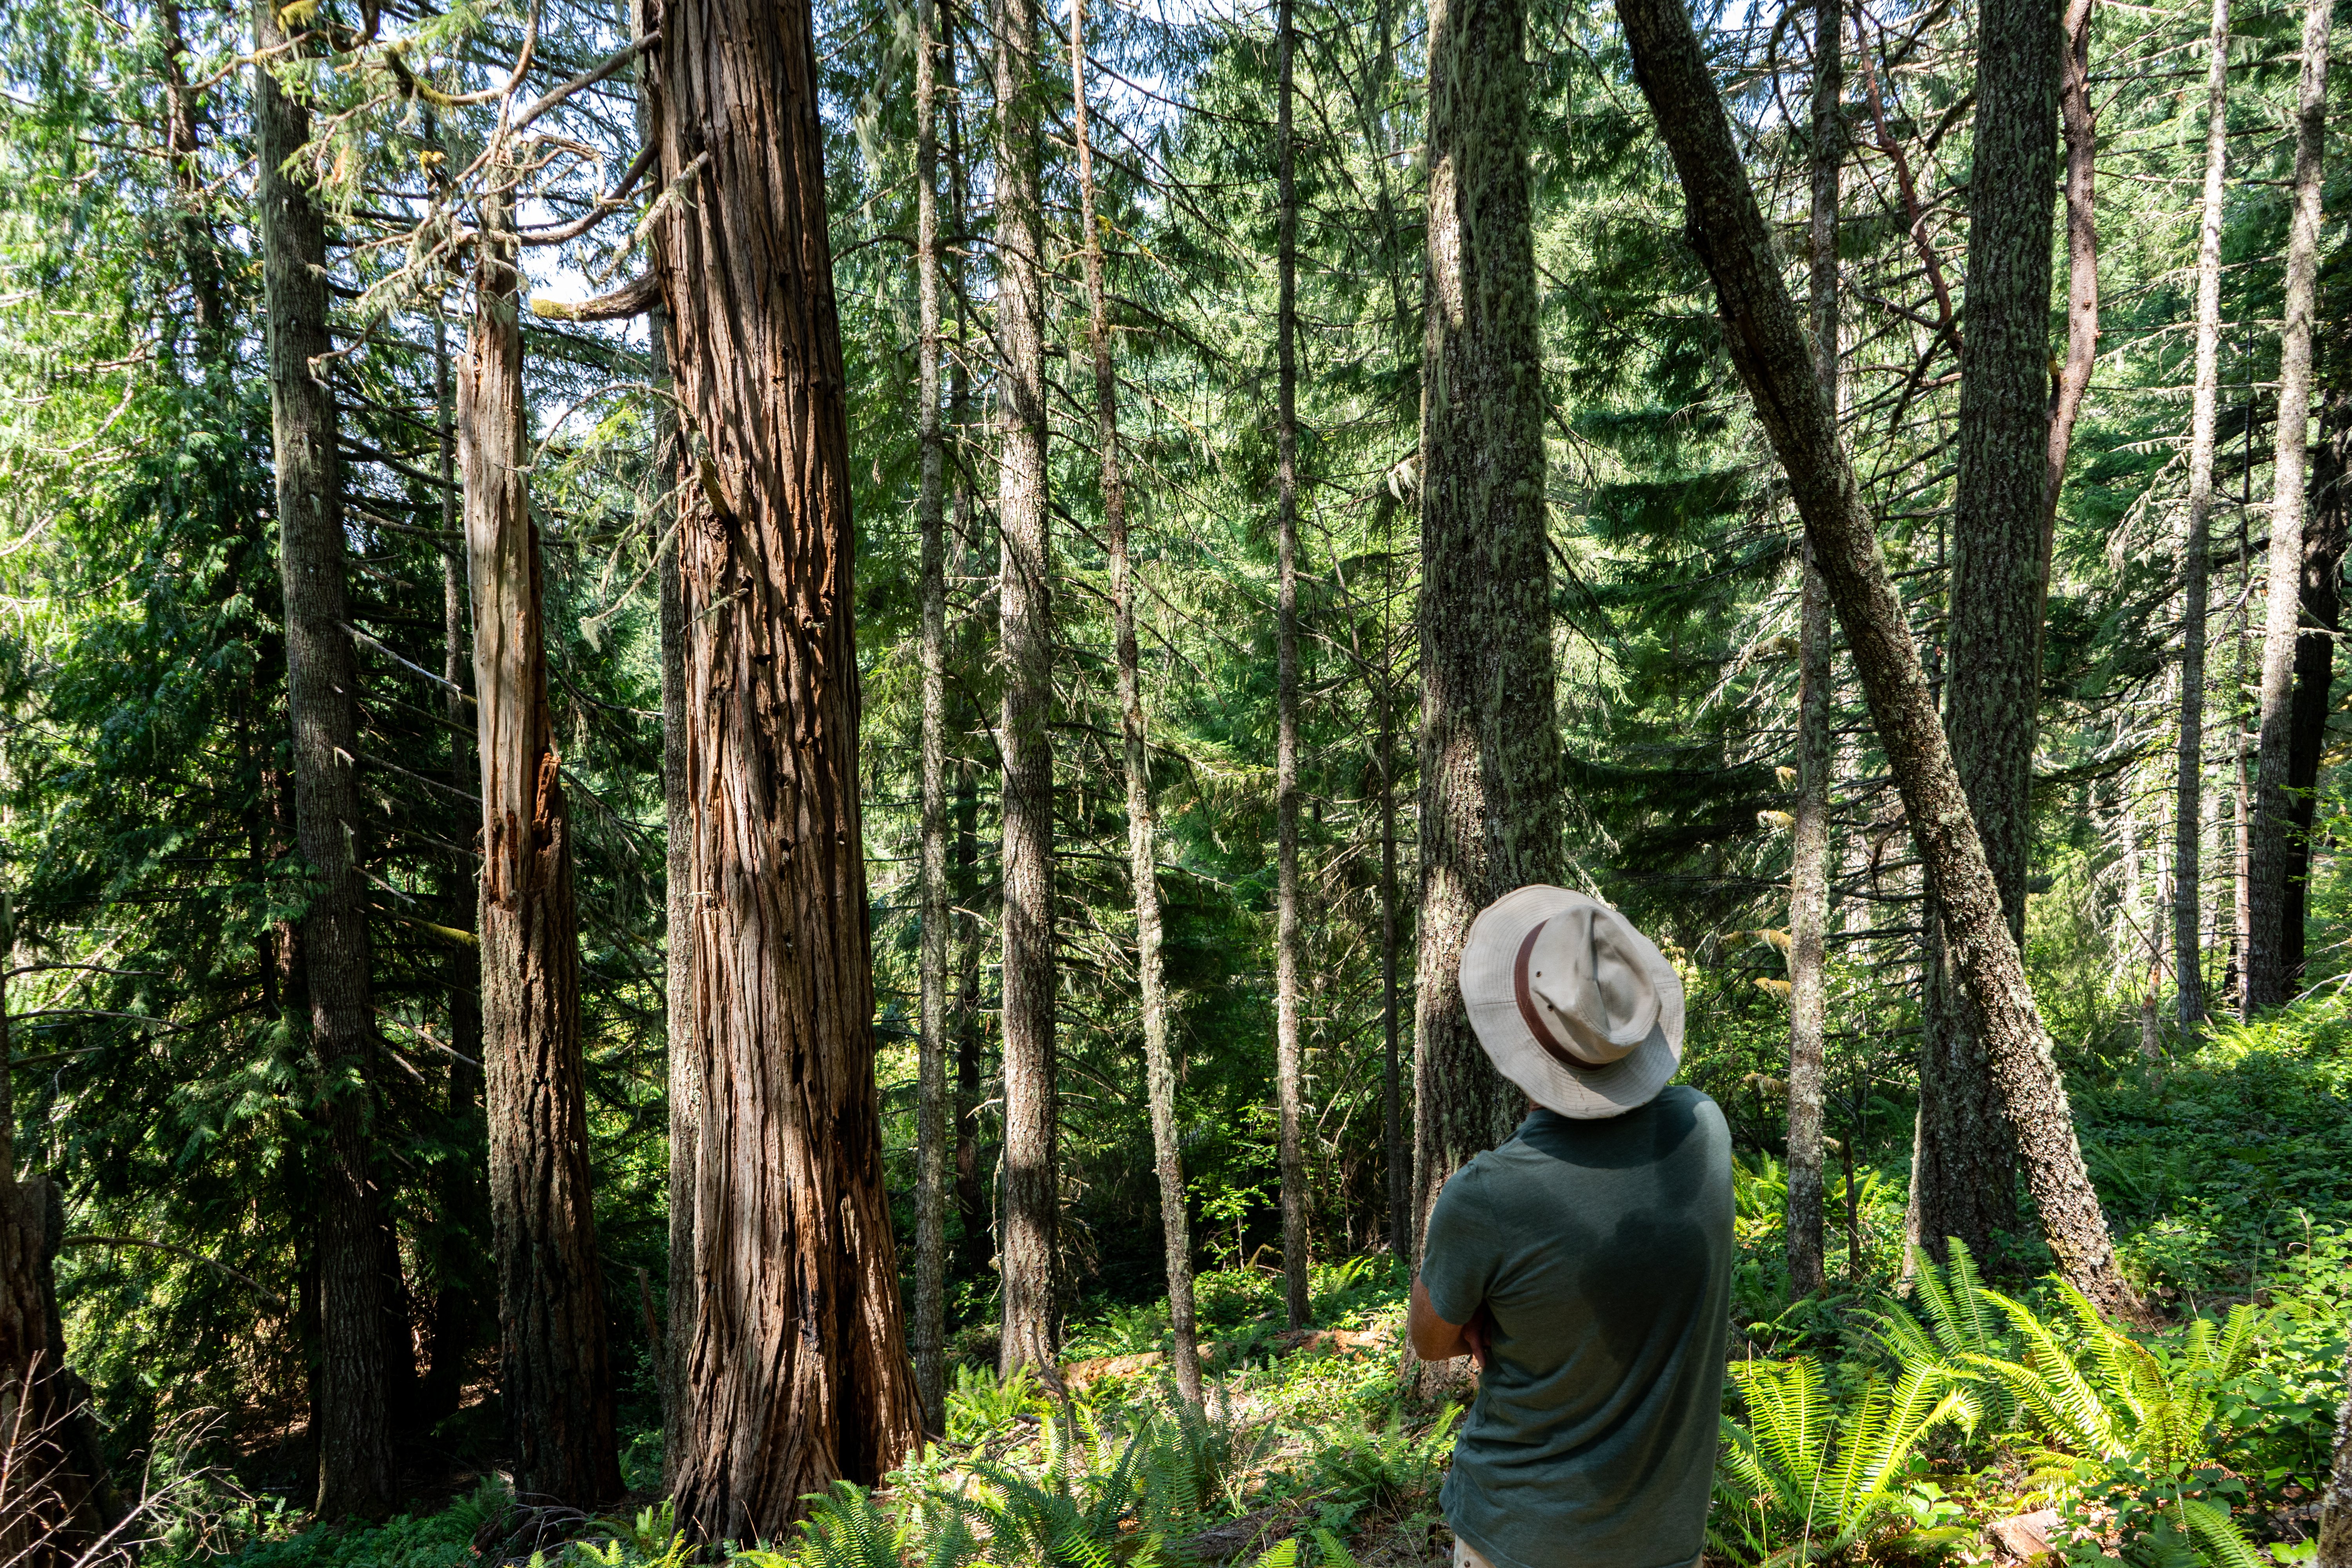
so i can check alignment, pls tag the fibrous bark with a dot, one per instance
(355, 1475)
(1142, 831)
(2271, 821)
(1288, 1066)
(2000, 519)
(1767, 340)
(1810, 851)
(1490, 773)
(797, 1373)
(1026, 1238)
(2187, 946)
(58, 1508)
(555, 1371)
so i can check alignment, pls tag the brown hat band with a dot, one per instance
(1532, 1016)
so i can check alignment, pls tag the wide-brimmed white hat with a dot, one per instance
(1572, 1003)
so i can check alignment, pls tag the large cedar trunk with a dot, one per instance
(1027, 1238)
(1962, 1169)
(555, 1373)
(1490, 774)
(797, 1373)
(2315, 657)
(355, 1473)
(1767, 341)
(2270, 821)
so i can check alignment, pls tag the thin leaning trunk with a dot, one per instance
(1142, 834)
(1490, 770)
(797, 1374)
(353, 1426)
(2270, 822)
(1768, 345)
(2196, 548)
(1288, 1068)
(1810, 852)
(2006, 441)
(555, 1371)
(1027, 1238)
(931, 1077)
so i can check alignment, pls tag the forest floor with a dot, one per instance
(1963, 1421)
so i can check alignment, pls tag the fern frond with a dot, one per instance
(2212, 1528)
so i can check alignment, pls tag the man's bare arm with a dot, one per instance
(1434, 1339)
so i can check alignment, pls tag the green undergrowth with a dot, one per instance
(1889, 1420)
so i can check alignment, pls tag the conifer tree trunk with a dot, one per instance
(60, 1503)
(355, 1474)
(1393, 1116)
(1809, 855)
(1289, 1069)
(2270, 822)
(797, 1374)
(2078, 120)
(555, 1371)
(662, 510)
(1027, 1238)
(181, 146)
(2196, 548)
(678, 920)
(1490, 773)
(1767, 341)
(464, 1198)
(1142, 831)
(931, 1077)
(2324, 538)
(2000, 517)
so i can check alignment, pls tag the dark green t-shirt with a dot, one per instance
(1602, 1249)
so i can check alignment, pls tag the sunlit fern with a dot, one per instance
(1801, 1482)
(2111, 1397)
(1951, 1325)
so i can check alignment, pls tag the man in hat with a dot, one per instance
(1586, 1264)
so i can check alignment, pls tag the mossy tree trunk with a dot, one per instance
(1490, 773)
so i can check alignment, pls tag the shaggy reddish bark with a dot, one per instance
(796, 1375)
